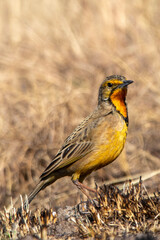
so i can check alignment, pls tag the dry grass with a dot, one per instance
(120, 213)
(54, 55)
(112, 214)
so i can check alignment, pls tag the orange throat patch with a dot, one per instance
(118, 100)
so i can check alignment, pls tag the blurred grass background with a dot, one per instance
(53, 57)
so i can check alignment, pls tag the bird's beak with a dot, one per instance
(125, 83)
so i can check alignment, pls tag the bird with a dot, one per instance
(96, 142)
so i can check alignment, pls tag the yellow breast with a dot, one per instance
(109, 144)
(106, 153)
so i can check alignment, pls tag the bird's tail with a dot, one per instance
(41, 185)
(37, 189)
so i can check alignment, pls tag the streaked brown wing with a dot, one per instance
(66, 156)
(76, 146)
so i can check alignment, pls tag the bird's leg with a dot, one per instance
(79, 186)
(82, 187)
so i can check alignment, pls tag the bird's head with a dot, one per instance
(113, 90)
(112, 87)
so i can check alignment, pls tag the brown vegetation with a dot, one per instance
(54, 55)
(112, 213)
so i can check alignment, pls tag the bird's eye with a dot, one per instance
(109, 84)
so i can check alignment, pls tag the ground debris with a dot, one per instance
(21, 223)
(120, 213)
(130, 213)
